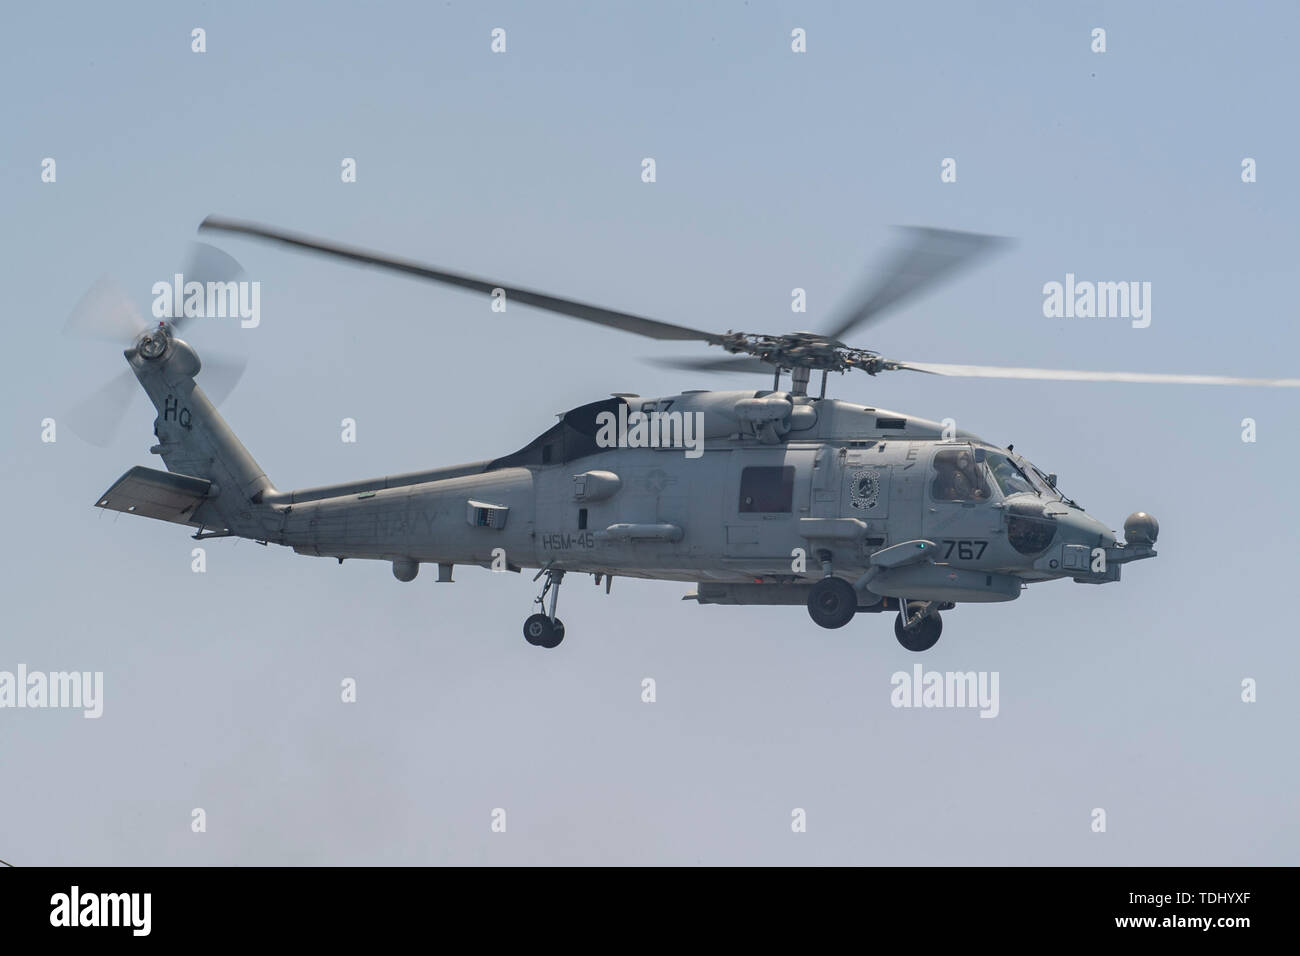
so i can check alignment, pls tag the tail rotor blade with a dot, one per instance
(209, 264)
(106, 313)
(96, 418)
(220, 374)
(205, 265)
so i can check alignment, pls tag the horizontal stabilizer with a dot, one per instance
(156, 494)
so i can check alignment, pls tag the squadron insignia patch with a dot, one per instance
(864, 489)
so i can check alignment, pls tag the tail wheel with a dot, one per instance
(922, 635)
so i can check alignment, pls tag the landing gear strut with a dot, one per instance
(918, 624)
(545, 629)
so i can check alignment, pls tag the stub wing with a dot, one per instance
(157, 494)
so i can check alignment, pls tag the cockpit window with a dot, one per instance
(958, 477)
(1011, 480)
(1041, 484)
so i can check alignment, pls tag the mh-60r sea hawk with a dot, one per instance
(795, 499)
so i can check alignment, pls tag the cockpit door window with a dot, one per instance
(958, 476)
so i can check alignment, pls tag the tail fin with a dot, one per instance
(194, 440)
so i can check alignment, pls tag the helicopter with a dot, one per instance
(771, 496)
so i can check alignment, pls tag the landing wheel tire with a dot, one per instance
(540, 632)
(921, 636)
(832, 602)
(557, 634)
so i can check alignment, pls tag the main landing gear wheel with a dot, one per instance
(832, 602)
(541, 631)
(546, 630)
(921, 635)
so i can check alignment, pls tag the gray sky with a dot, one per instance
(775, 170)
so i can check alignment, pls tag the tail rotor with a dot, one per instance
(106, 313)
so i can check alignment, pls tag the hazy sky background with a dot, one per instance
(775, 170)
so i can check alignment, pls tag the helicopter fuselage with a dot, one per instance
(759, 490)
(758, 497)
(842, 482)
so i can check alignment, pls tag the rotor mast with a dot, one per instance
(800, 376)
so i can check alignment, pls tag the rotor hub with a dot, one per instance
(804, 350)
(153, 343)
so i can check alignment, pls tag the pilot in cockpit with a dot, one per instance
(967, 486)
(956, 478)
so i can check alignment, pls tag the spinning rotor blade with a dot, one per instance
(96, 417)
(929, 257)
(106, 313)
(640, 325)
(220, 374)
(730, 363)
(1073, 375)
(207, 264)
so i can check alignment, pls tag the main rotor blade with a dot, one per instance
(929, 257)
(730, 363)
(106, 313)
(640, 325)
(1072, 375)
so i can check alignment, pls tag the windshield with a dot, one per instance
(1010, 477)
(1040, 481)
(1050, 490)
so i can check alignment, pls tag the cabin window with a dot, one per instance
(767, 489)
(582, 519)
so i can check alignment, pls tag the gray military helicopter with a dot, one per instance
(761, 497)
